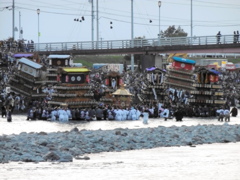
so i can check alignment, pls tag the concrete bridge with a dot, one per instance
(196, 44)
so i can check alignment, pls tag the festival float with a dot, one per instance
(111, 76)
(180, 74)
(122, 98)
(31, 78)
(152, 87)
(73, 88)
(54, 62)
(59, 60)
(208, 90)
(28, 78)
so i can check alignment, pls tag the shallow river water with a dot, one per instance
(203, 162)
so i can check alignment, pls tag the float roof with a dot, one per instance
(30, 63)
(75, 69)
(183, 60)
(58, 56)
(23, 55)
(122, 92)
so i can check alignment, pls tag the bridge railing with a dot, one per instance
(122, 44)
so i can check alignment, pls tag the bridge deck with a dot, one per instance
(206, 44)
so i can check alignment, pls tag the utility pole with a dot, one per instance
(132, 37)
(159, 36)
(38, 13)
(92, 21)
(20, 29)
(97, 23)
(13, 20)
(191, 23)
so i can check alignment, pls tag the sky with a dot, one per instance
(56, 19)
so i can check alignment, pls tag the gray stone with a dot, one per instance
(43, 133)
(75, 130)
(51, 156)
(65, 158)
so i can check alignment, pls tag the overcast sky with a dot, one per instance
(56, 18)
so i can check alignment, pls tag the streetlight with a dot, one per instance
(38, 12)
(159, 5)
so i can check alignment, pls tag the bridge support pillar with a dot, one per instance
(132, 62)
(151, 60)
(158, 61)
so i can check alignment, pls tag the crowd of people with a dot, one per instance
(17, 45)
(64, 114)
(175, 104)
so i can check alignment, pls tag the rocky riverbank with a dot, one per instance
(74, 144)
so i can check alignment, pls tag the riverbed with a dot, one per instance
(208, 161)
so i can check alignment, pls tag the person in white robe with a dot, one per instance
(129, 115)
(65, 115)
(145, 117)
(165, 114)
(124, 114)
(138, 114)
(54, 115)
(60, 115)
(87, 117)
(118, 116)
(69, 113)
(133, 114)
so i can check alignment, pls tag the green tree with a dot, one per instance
(171, 31)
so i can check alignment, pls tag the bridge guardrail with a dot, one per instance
(122, 44)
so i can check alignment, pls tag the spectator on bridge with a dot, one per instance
(218, 37)
(237, 37)
(234, 37)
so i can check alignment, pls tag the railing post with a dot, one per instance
(96, 44)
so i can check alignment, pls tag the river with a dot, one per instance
(209, 161)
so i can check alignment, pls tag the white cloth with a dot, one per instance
(145, 117)
(226, 112)
(124, 114)
(118, 116)
(165, 113)
(133, 114)
(53, 115)
(65, 116)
